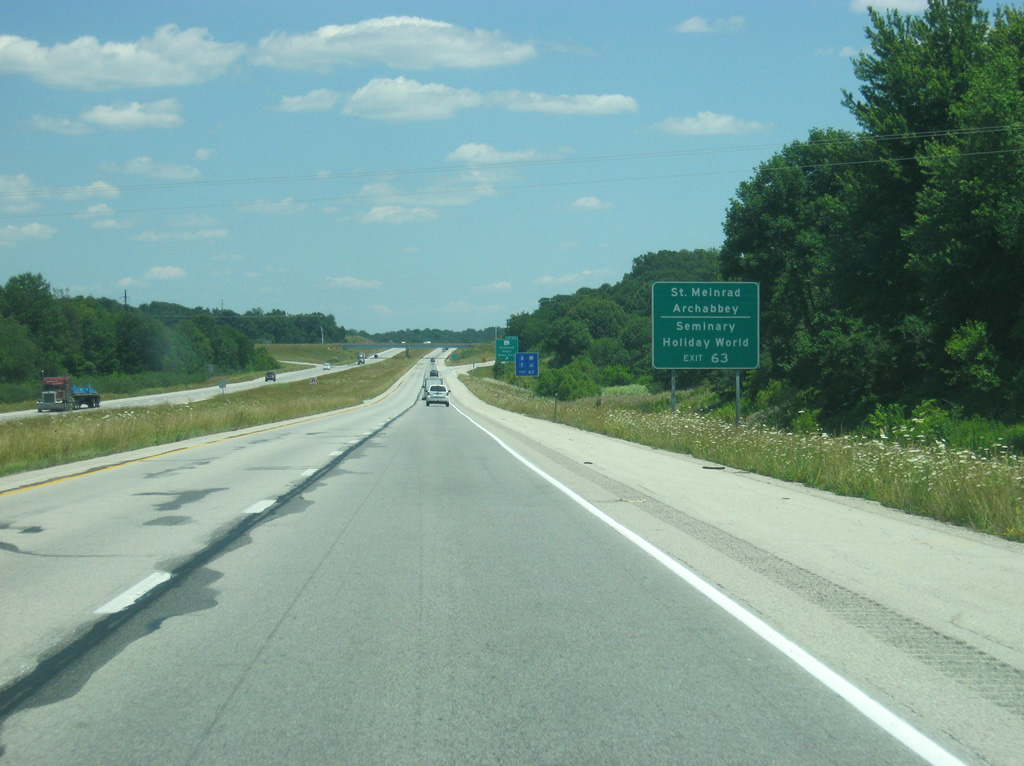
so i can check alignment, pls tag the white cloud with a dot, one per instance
(401, 42)
(398, 214)
(100, 189)
(470, 186)
(11, 235)
(591, 203)
(709, 124)
(170, 57)
(133, 116)
(353, 283)
(381, 310)
(106, 223)
(568, 279)
(17, 194)
(161, 273)
(202, 155)
(484, 154)
(321, 100)
(400, 100)
(60, 125)
(518, 101)
(181, 236)
(701, 25)
(494, 286)
(847, 51)
(95, 210)
(268, 207)
(906, 6)
(147, 166)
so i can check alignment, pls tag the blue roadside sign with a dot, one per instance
(527, 364)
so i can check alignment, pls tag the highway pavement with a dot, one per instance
(403, 584)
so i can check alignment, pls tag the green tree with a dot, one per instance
(567, 338)
(19, 356)
(141, 343)
(968, 234)
(603, 317)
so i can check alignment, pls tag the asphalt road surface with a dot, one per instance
(404, 584)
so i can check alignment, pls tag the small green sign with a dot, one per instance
(505, 349)
(705, 325)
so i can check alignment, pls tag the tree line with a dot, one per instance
(428, 335)
(890, 260)
(50, 332)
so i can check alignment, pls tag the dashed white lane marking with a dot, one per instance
(134, 593)
(259, 507)
(309, 471)
(874, 711)
(336, 453)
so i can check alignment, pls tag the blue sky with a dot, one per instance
(397, 165)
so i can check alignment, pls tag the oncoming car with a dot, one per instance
(327, 365)
(270, 376)
(437, 393)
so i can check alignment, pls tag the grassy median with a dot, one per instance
(51, 439)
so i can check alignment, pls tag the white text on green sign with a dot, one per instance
(705, 325)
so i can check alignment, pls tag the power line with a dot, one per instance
(356, 198)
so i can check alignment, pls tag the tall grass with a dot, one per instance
(982, 491)
(54, 439)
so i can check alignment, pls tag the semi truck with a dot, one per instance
(59, 393)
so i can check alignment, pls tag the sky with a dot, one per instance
(395, 164)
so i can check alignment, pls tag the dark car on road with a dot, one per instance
(270, 376)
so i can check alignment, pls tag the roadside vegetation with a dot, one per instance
(903, 466)
(473, 355)
(314, 353)
(55, 439)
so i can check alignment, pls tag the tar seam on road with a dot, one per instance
(985, 675)
(15, 693)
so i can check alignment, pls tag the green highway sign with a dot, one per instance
(505, 349)
(705, 325)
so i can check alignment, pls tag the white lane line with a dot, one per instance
(309, 471)
(336, 453)
(134, 593)
(259, 506)
(902, 731)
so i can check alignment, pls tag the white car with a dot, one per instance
(327, 365)
(437, 393)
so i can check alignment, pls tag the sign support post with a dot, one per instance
(737, 397)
